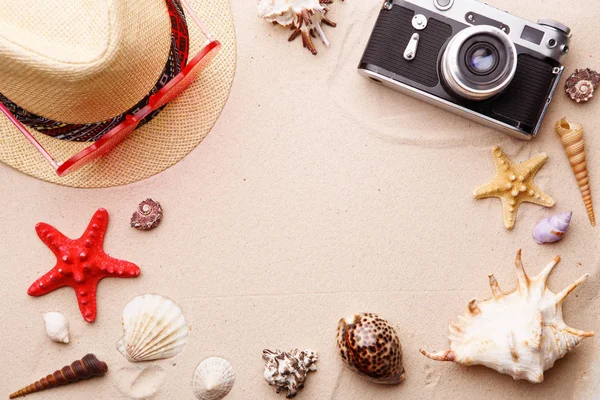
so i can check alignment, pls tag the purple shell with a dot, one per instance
(552, 229)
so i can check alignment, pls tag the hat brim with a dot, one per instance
(154, 147)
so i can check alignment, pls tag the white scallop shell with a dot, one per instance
(154, 328)
(213, 379)
(57, 327)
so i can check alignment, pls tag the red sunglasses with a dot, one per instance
(116, 135)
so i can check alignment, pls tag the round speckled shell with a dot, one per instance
(370, 346)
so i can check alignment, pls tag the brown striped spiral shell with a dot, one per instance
(571, 137)
(370, 346)
(85, 368)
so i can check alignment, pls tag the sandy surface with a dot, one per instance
(317, 195)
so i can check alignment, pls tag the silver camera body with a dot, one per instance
(469, 58)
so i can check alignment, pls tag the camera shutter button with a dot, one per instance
(419, 22)
(443, 5)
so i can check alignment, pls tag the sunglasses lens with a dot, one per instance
(98, 149)
(181, 82)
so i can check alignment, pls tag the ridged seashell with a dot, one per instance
(288, 370)
(85, 368)
(552, 229)
(521, 333)
(582, 84)
(571, 137)
(304, 16)
(57, 327)
(370, 346)
(154, 328)
(213, 379)
(147, 216)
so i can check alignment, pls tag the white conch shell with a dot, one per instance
(57, 327)
(213, 379)
(154, 328)
(552, 229)
(521, 333)
(304, 16)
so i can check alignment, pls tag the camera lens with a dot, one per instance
(479, 63)
(482, 59)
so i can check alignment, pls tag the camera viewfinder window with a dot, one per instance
(532, 35)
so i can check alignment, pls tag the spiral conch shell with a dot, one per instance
(521, 333)
(213, 379)
(552, 229)
(154, 328)
(304, 16)
(370, 346)
(57, 327)
(571, 136)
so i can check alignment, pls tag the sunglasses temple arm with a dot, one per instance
(28, 135)
(197, 20)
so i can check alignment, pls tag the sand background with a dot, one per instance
(318, 194)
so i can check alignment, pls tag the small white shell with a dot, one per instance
(154, 328)
(213, 379)
(57, 327)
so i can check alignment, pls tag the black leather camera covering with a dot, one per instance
(390, 36)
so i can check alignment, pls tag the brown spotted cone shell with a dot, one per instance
(85, 368)
(370, 346)
(582, 84)
(147, 216)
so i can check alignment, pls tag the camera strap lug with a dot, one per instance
(388, 4)
(411, 48)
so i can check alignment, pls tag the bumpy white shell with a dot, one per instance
(521, 333)
(552, 229)
(213, 379)
(57, 327)
(287, 370)
(154, 328)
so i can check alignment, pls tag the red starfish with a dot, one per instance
(80, 263)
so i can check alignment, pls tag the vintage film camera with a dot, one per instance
(469, 58)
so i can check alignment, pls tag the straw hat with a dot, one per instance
(83, 62)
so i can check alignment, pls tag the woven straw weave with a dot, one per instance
(79, 77)
(169, 137)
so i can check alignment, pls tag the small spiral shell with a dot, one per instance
(147, 216)
(582, 84)
(552, 229)
(85, 368)
(571, 137)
